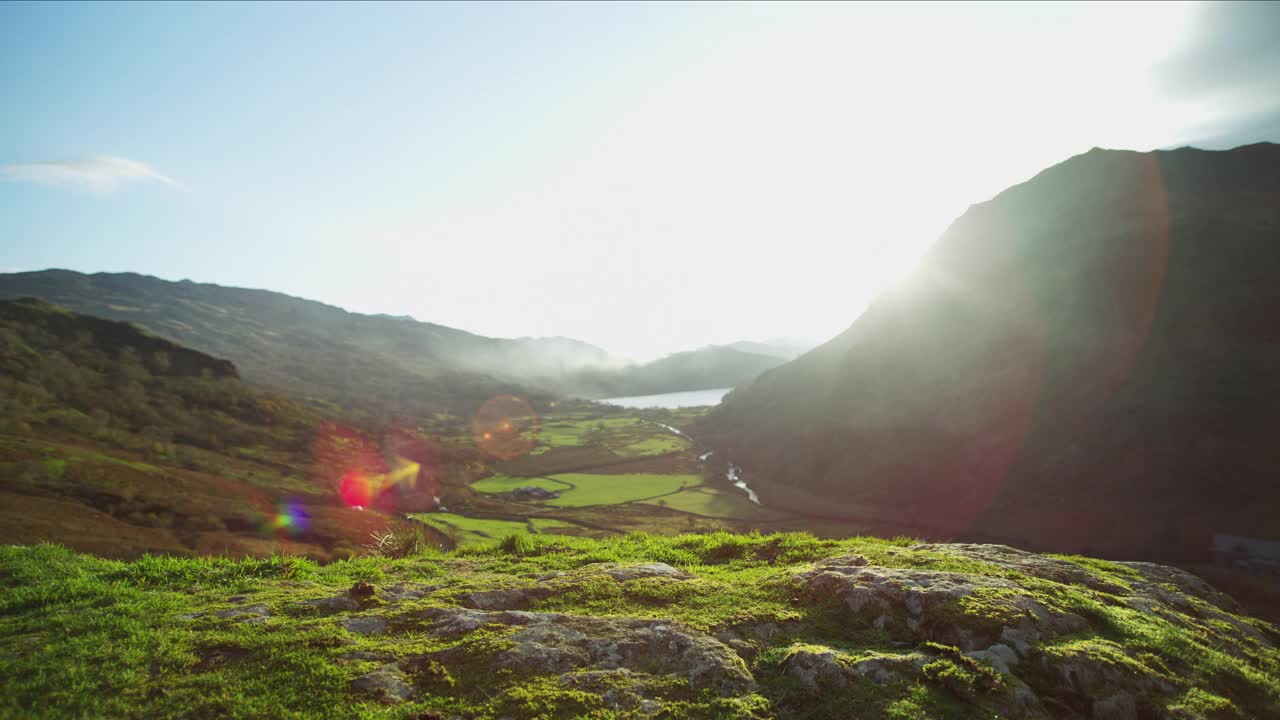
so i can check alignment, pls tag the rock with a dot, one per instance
(620, 689)
(1029, 563)
(1156, 577)
(893, 589)
(338, 603)
(366, 655)
(1015, 638)
(924, 602)
(555, 643)
(367, 625)
(249, 613)
(1120, 706)
(514, 599)
(998, 656)
(545, 649)
(634, 572)
(401, 591)
(815, 666)
(387, 684)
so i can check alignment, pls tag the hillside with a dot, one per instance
(118, 442)
(1084, 363)
(691, 626)
(316, 351)
(702, 369)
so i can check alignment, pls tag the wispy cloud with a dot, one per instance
(99, 173)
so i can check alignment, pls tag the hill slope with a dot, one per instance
(692, 626)
(702, 369)
(119, 442)
(314, 350)
(1085, 362)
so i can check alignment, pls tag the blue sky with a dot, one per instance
(648, 177)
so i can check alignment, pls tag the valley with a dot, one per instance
(639, 361)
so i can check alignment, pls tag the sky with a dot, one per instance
(647, 177)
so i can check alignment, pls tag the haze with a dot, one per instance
(645, 177)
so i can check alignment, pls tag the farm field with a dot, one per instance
(624, 436)
(614, 471)
(507, 483)
(712, 502)
(478, 531)
(591, 489)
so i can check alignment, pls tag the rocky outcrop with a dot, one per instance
(569, 645)
(869, 629)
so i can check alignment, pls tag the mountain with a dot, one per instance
(314, 350)
(785, 348)
(702, 369)
(637, 626)
(119, 442)
(1086, 362)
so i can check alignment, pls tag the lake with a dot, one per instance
(689, 398)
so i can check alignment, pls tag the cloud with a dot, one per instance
(1230, 64)
(99, 173)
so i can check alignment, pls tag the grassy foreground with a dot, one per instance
(762, 625)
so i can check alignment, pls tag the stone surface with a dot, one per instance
(338, 603)
(919, 600)
(366, 625)
(550, 643)
(246, 613)
(633, 572)
(512, 599)
(387, 683)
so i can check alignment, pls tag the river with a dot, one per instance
(688, 398)
(692, 398)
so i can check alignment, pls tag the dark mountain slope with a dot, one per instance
(311, 349)
(1087, 361)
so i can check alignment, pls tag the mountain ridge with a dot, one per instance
(1029, 363)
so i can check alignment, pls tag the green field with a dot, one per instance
(710, 502)
(478, 531)
(625, 436)
(656, 445)
(507, 483)
(590, 489)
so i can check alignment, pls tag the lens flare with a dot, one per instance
(505, 427)
(289, 518)
(355, 489)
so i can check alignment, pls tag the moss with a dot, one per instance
(1198, 703)
(963, 676)
(86, 637)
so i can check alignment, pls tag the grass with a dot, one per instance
(627, 436)
(711, 502)
(88, 637)
(589, 489)
(657, 445)
(507, 483)
(478, 531)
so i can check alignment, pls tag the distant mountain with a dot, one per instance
(703, 369)
(1086, 362)
(314, 350)
(785, 348)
